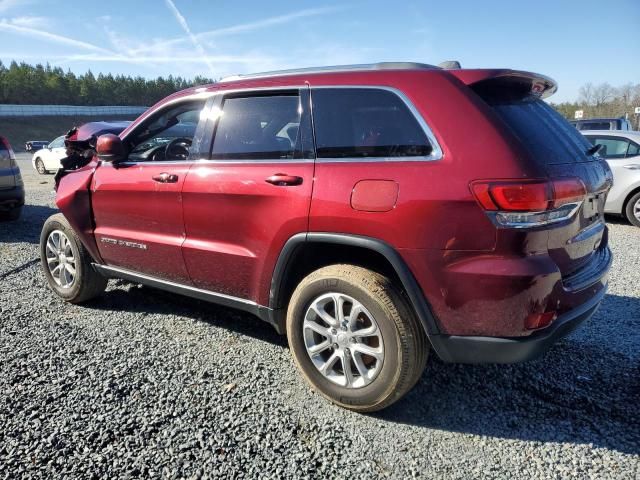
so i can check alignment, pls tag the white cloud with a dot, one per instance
(185, 26)
(7, 26)
(6, 5)
(30, 22)
(246, 27)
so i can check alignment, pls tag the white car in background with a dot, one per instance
(621, 149)
(48, 159)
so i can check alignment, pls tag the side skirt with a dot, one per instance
(263, 313)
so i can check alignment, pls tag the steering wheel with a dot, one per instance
(177, 149)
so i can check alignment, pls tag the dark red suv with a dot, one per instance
(372, 213)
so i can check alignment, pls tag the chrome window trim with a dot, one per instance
(148, 163)
(266, 161)
(205, 161)
(436, 153)
(375, 159)
(206, 95)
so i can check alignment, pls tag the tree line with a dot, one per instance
(25, 84)
(604, 100)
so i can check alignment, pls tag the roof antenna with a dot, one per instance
(450, 65)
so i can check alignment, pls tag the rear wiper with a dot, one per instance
(595, 149)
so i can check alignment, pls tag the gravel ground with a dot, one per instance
(143, 383)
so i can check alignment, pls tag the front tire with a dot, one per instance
(632, 210)
(364, 362)
(67, 264)
(40, 167)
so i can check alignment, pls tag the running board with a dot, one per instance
(260, 311)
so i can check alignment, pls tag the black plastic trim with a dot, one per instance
(262, 312)
(409, 283)
(459, 349)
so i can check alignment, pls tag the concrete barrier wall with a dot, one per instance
(50, 110)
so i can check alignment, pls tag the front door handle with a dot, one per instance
(284, 180)
(165, 177)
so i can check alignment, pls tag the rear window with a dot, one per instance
(595, 126)
(365, 122)
(542, 131)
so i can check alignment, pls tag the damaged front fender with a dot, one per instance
(73, 198)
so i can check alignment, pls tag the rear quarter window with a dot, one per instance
(366, 122)
(548, 137)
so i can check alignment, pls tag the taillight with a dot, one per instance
(529, 203)
(12, 156)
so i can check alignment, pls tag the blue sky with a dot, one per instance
(571, 41)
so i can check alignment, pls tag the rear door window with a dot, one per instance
(365, 122)
(542, 131)
(614, 147)
(262, 127)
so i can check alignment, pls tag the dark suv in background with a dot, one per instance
(11, 185)
(620, 123)
(373, 213)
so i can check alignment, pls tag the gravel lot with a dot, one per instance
(145, 383)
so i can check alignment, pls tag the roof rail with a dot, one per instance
(336, 68)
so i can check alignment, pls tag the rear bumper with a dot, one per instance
(11, 198)
(476, 349)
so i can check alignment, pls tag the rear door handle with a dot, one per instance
(165, 177)
(284, 180)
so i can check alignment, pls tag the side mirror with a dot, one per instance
(110, 148)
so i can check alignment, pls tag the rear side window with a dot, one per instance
(365, 122)
(261, 128)
(595, 126)
(542, 131)
(614, 147)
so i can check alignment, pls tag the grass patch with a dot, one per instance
(20, 129)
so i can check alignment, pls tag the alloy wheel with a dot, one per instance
(343, 340)
(636, 209)
(60, 259)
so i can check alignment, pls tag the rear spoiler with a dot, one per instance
(513, 83)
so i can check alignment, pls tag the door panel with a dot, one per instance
(138, 220)
(237, 223)
(52, 158)
(252, 195)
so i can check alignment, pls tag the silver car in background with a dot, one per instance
(621, 149)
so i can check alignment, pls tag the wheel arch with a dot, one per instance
(304, 253)
(628, 197)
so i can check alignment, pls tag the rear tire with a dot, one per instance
(11, 215)
(40, 167)
(67, 264)
(384, 362)
(632, 210)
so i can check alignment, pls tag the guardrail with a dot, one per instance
(9, 110)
